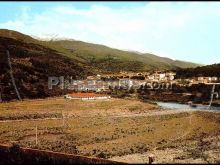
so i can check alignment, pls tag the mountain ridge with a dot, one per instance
(101, 58)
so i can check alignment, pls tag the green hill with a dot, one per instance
(100, 58)
(110, 59)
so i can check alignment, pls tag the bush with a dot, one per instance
(102, 155)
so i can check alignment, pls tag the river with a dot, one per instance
(173, 105)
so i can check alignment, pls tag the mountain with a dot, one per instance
(206, 71)
(26, 63)
(168, 63)
(110, 59)
(104, 59)
(28, 66)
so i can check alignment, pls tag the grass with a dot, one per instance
(99, 128)
(55, 106)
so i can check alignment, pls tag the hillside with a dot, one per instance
(101, 58)
(32, 64)
(109, 59)
(169, 63)
(208, 70)
(16, 35)
(33, 61)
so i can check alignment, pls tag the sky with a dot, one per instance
(188, 31)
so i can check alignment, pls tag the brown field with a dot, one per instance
(117, 129)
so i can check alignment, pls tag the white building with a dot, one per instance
(87, 96)
(162, 76)
(214, 78)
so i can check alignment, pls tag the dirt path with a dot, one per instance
(118, 114)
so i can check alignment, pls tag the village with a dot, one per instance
(99, 86)
(135, 80)
(157, 76)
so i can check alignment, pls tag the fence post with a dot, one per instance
(151, 158)
(63, 122)
(36, 140)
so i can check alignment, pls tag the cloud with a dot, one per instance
(168, 29)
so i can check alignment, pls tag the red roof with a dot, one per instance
(86, 95)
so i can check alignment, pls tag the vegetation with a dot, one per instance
(34, 61)
(32, 64)
(113, 60)
(102, 58)
(206, 71)
(197, 93)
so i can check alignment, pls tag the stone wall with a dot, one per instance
(18, 155)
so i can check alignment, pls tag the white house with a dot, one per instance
(162, 76)
(87, 96)
(214, 78)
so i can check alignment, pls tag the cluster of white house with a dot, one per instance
(155, 76)
(158, 76)
(207, 79)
